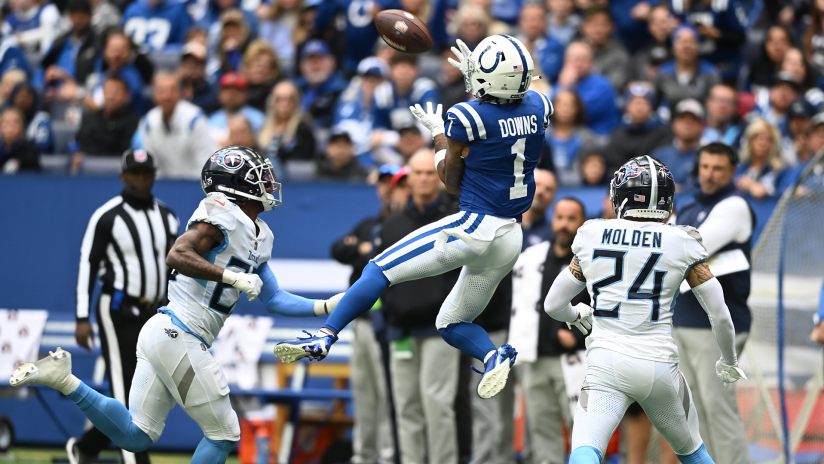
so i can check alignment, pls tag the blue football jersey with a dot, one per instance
(505, 143)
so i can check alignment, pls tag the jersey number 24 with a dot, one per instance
(634, 292)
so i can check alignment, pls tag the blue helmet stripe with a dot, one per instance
(522, 88)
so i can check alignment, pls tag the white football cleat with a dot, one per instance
(55, 370)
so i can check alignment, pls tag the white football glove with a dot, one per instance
(323, 307)
(584, 321)
(464, 62)
(432, 120)
(728, 374)
(250, 284)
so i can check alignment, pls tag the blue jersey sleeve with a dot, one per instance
(279, 301)
(820, 312)
(457, 126)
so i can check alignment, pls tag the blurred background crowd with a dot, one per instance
(310, 85)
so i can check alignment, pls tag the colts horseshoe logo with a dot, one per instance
(498, 55)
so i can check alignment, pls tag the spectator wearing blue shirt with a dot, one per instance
(232, 98)
(60, 62)
(679, 157)
(211, 19)
(630, 18)
(686, 76)
(192, 71)
(562, 22)
(319, 82)
(722, 25)
(773, 105)
(12, 56)
(403, 89)
(645, 62)
(568, 138)
(759, 172)
(234, 37)
(25, 98)
(547, 52)
(595, 90)
(356, 110)
(722, 116)
(609, 56)
(434, 15)
(116, 60)
(33, 23)
(360, 33)
(157, 24)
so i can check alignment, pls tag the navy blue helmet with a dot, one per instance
(642, 188)
(241, 174)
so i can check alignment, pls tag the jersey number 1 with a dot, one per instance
(634, 292)
(520, 188)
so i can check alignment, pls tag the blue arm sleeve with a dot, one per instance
(821, 306)
(279, 301)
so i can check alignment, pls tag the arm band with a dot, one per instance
(439, 156)
(564, 288)
(710, 296)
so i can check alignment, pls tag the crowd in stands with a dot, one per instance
(309, 83)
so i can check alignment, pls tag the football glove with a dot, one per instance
(728, 373)
(322, 307)
(432, 120)
(584, 321)
(464, 61)
(250, 284)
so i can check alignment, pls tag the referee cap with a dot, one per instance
(137, 158)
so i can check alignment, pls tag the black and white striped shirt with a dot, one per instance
(125, 244)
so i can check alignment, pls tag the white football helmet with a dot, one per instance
(500, 66)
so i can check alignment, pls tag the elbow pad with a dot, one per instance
(563, 290)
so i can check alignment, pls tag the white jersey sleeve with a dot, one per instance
(694, 250)
(204, 305)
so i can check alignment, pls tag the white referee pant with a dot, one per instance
(614, 380)
(486, 247)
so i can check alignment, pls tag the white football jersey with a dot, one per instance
(633, 272)
(204, 305)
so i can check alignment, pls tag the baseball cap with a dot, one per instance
(374, 66)
(137, 158)
(639, 89)
(233, 80)
(783, 77)
(800, 108)
(691, 106)
(338, 134)
(388, 170)
(315, 47)
(194, 49)
(817, 120)
(400, 175)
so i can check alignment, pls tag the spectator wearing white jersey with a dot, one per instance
(726, 224)
(175, 131)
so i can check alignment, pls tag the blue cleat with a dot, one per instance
(312, 347)
(496, 371)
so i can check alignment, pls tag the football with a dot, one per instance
(403, 31)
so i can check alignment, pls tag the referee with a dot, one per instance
(128, 239)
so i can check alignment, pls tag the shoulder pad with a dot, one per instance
(217, 210)
(692, 232)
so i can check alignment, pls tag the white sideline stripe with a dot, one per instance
(311, 275)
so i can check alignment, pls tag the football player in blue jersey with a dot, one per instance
(487, 152)
(223, 252)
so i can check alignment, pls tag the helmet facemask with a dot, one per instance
(263, 186)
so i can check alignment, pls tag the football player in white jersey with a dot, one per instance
(633, 267)
(223, 252)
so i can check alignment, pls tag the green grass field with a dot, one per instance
(47, 455)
